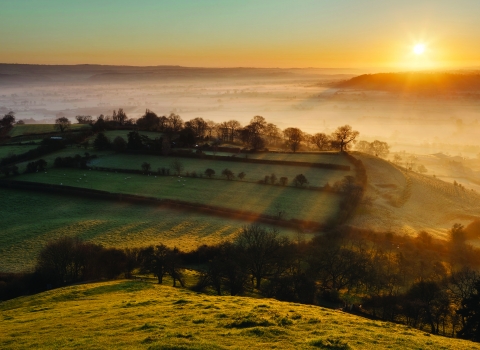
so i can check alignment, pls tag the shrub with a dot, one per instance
(300, 180)
(228, 174)
(146, 167)
(284, 181)
(209, 172)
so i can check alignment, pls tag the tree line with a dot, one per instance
(423, 282)
(256, 135)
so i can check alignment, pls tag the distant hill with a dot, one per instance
(414, 82)
(25, 73)
(142, 315)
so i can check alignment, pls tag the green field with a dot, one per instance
(29, 129)
(111, 134)
(300, 204)
(140, 315)
(316, 177)
(325, 157)
(17, 149)
(30, 219)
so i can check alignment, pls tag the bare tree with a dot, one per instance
(262, 248)
(364, 146)
(380, 149)
(62, 124)
(293, 138)
(177, 166)
(321, 140)
(344, 136)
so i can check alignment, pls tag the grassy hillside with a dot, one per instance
(30, 220)
(30, 129)
(140, 315)
(406, 201)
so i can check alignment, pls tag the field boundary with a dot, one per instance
(170, 203)
(266, 161)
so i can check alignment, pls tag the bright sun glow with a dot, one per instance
(419, 49)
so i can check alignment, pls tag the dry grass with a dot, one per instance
(140, 315)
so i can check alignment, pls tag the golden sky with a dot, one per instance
(224, 33)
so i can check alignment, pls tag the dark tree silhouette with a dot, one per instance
(344, 136)
(62, 124)
(293, 138)
(228, 174)
(209, 172)
(300, 180)
(101, 142)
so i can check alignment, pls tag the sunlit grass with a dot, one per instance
(29, 220)
(134, 314)
(301, 204)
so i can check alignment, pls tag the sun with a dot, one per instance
(419, 49)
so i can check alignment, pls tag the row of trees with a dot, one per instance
(257, 135)
(420, 281)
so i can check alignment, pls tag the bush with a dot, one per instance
(228, 174)
(119, 144)
(146, 167)
(209, 172)
(300, 180)
(101, 142)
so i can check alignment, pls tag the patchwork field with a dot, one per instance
(29, 220)
(263, 199)
(254, 172)
(29, 129)
(140, 315)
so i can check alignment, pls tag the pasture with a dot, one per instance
(324, 157)
(301, 204)
(140, 315)
(111, 134)
(30, 129)
(6, 151)
(31, 219)
(254, 172)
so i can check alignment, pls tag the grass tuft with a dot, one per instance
(248, 321)
(330, 343)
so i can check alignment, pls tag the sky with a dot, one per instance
(246, 33)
